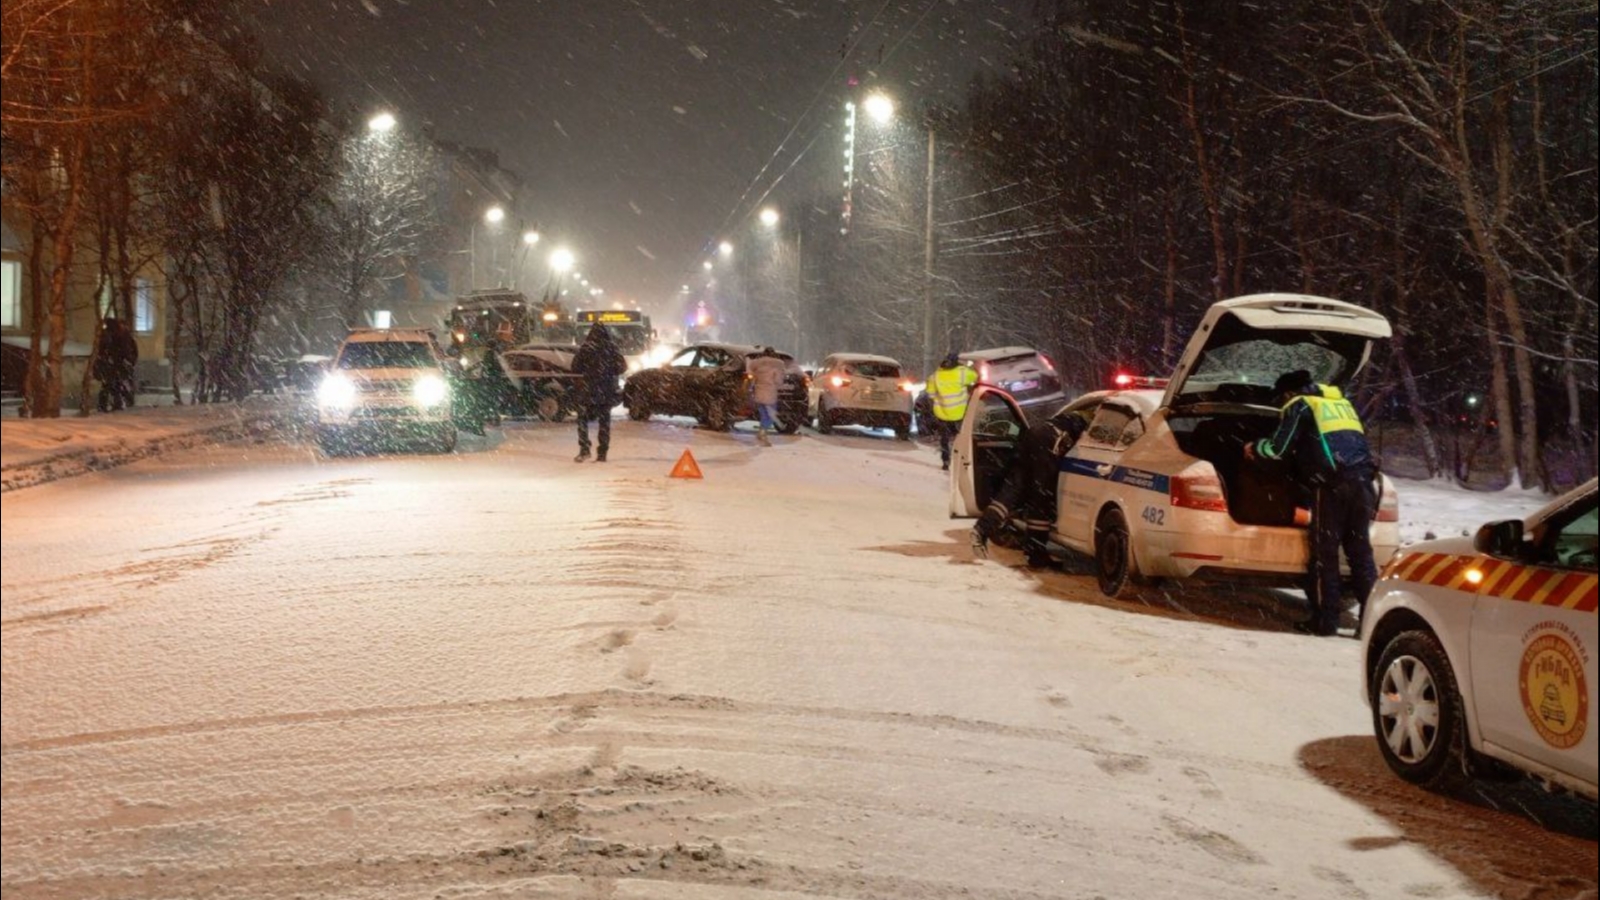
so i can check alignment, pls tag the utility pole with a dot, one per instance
(799, 288)
(927, 267)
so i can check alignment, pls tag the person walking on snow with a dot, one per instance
(1321, 435)
(949, 387)
(601, 365)
(766, 373)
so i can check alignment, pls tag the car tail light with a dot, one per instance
(1388, 504)
(908, 386)
(1200, 490)
(839, 381)
(1047, 363)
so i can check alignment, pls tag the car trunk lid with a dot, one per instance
(1244, 344)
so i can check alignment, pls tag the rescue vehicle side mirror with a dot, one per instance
(1502, 539)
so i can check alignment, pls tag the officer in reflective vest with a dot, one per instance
(1320, 435)
(949, 388)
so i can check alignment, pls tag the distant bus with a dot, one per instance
(508, 317)
(635, 336)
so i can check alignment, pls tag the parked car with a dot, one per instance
(1024, 373)
(1158, 486)
(546, 385)
(1027, 375)
(1479, 654)
(861, 389)
(385, 384)
(707, 381)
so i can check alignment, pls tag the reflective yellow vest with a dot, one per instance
(1332, 412)
(949, 389)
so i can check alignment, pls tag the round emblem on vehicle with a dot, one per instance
(1554, 695)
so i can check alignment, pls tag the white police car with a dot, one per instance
(1158, 486)
(1480, 653)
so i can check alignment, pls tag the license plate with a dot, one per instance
(875, 396)
(1024, 385)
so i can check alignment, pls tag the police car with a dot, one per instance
(1158, 486)
(1480, 653)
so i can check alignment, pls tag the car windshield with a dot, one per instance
(387, 355)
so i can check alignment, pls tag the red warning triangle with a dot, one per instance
(686, 467)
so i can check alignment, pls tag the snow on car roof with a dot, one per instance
(995, 353)
(864, 357)
(1144, 401)
(366, 335)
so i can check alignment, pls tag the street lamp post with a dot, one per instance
(494, 215)
(881, 109)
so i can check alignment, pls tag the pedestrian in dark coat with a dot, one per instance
(115, 364)
(1320, 434)
(601, 365)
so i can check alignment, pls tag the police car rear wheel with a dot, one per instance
(1417, 713)
(1113, 556)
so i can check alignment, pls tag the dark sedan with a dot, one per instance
(707, 381)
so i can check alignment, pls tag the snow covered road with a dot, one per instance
(249, 672)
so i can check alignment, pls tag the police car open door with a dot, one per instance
(984, 449)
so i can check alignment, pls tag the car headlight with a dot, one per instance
(430, 390)
(634, 366)
(336, 392)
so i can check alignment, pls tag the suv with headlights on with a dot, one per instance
(386, 384)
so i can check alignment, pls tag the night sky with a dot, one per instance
(638, 124)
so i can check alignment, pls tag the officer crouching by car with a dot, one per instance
(1029, 489)
(1321, 435)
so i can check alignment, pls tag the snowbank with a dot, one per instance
(36, 451)
(1442, 509)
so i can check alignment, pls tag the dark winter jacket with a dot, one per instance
(1029, 489)
(1320, 434)
(601, 364)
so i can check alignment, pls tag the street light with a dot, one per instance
(494, 215)
(382, 122)
(530, 238)
(725, 248)
(561, 260)
(769, 217)
(708, 265)
(879, 107)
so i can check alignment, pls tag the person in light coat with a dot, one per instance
(766, 372)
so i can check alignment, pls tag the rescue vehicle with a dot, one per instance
(1480, 652)
(1158, 486)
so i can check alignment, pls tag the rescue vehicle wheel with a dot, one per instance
(1417, 713)
(1113, 556)
(902, 430)
(549, 408)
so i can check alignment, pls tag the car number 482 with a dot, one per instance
(1154, 515)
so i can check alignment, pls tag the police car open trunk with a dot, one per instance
(1221, 396)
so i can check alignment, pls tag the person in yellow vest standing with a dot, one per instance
(949, 387)
(1320, 434)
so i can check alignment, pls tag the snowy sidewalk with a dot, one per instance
(37, 451)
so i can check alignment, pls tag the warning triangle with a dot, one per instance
(686, 467)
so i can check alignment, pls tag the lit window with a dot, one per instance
(144, 306)
(10, 294)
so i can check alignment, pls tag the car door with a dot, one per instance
(983, 450)
(1533, 644)
(1086, 473)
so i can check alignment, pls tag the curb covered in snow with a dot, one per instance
(122, 451)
